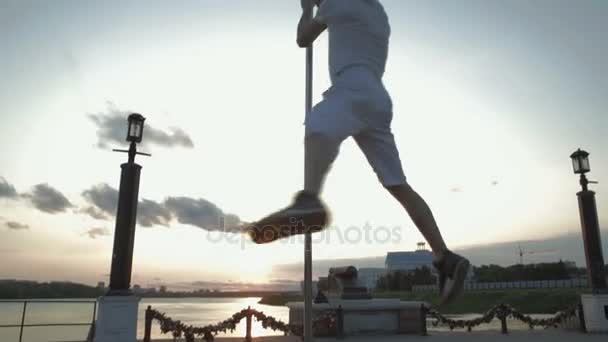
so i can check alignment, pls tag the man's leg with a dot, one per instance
(379, 147)
(421, 215)
(452, 267)
(327, 126)
(320, 151)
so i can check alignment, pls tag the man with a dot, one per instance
(356, 105)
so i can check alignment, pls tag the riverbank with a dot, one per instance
(539, 301)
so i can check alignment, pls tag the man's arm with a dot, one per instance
(308, 28)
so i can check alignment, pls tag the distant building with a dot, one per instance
(163, 289)
(368, 276)
(101, 285)
(407, 261)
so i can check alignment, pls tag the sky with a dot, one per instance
(490, 99)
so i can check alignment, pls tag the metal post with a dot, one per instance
(502, 315)
(592, 240)
(94, 311)
(22, 320)
(581, 317)
(124, 231)
(148, 324)
(503, 325)
(340, 322)
(308, 333)
(248, 326)
(91, 334)
(423, 329)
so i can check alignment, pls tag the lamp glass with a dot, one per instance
(136, 128)
(576, 165)
(133, 130)
(584, 164)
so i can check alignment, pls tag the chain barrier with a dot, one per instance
(502, 312)
(328, 322)
(207, 333)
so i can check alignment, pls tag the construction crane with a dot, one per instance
(522, 253)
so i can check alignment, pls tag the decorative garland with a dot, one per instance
(179, 329)
(503, 311)
(329, 319)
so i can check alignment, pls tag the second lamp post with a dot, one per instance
(126, 215)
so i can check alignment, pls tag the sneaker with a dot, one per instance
(453, 270)
(306, 214)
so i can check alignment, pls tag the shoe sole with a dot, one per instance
(273, 228)
(456, 284)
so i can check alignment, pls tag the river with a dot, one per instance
(194, 311)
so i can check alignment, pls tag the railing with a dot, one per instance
(504, 311)
(23, 325)
(331, 321)
(531, 284)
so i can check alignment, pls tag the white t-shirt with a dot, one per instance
(358, 34)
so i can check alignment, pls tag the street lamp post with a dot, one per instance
(126, 214)
(589, 224)
(594, 305)
(117, 318)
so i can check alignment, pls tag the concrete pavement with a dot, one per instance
(459, 336)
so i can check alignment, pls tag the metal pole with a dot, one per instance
(124, 232)
(22, 321)
(592, 240)
(340, 322)
(94, 311)
(308, 337)
(248, 326)
(148, 324)
(423, 328)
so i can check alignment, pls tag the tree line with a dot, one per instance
(18, 289)
(25, 289)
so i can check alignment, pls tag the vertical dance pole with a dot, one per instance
(308, 238)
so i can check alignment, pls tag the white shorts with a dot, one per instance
(358, 105)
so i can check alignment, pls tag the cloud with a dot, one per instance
(7, 190)
(9, 251)
(94, 213)
(177, 138)
(104, 198)
(150, 213)
(104, 201)
(16, 225)
(47, 199)
(94, 233)
(202, 213)
(112, 130)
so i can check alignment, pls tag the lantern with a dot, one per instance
(136, 128)
(580, 162)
